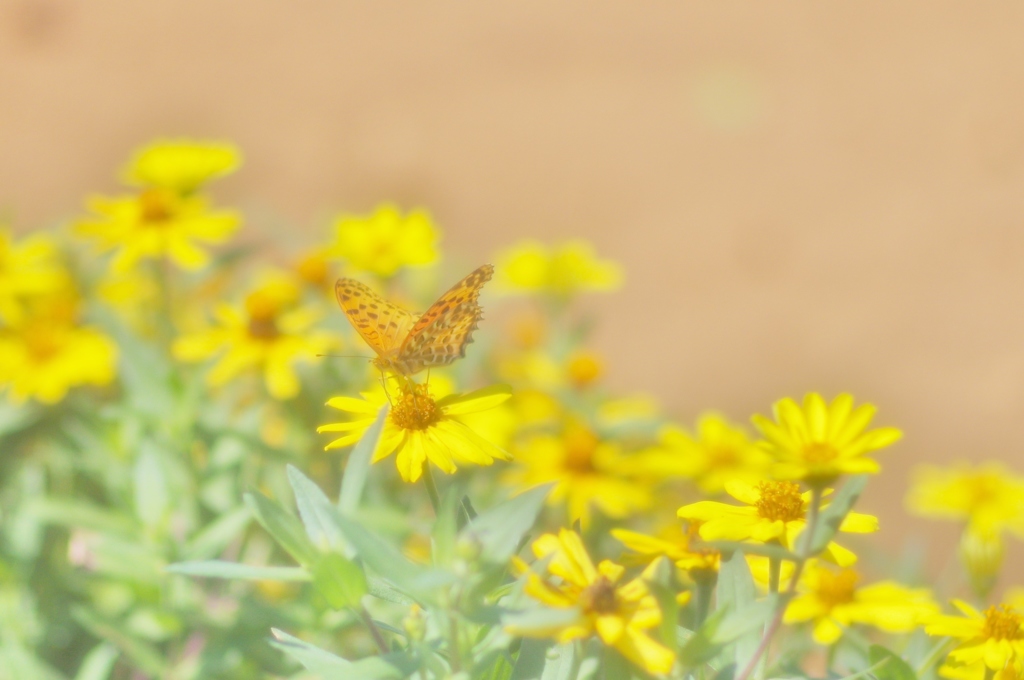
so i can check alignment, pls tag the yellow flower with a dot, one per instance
(560, 271)
(47, 352)
(313, 269)
(819, 442)
(720, 451)
(993, 637)
(986, 497)
(833, 601)
(774, 512)
(28, 267)
(678, 548)
(181, 166)
(386, 241)
(979, 671)
(155, 224)
(269, 334)
(421, 427)
(587, 470)
(618, 613)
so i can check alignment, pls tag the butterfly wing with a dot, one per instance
(440, 336)
(382, 325)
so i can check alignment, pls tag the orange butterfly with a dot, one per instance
(407, 344)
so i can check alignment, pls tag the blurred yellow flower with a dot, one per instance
(47, 352)
(386, 241)
(560, 271)
(833, 601)
(587, 470)
(313, 269)
(28, 267)
(156, 223)
(979, 671)
(618, 613)
(679, 548)
(986, 498)
(270, 333)
(421, 427)
(181, 166)
(994, 637)
(818, 442)
(719, 452)
(773, 512)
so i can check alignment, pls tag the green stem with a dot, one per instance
(774, 574)
(784, 598)
(371, 625)
(702, 601)
(428, 480)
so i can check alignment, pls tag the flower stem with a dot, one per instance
(782, 599)
(774, 574)
(378, 638)
(702, 604)
(428, 480)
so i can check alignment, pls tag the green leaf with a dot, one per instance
(341, 581)
(561, 663)
(702, 645)
(283, 527)
(893, 668)
(419, 582)
(145, 656)
(501, 528)
(152, 495)
(98, 663)
(839, 507)
(662, 587)
(330, 666)
(495, 666)
(442, 536)
(312, 658)
(531, 659)
(233, 570)
(736, 593)
(318, 514)
(77, 513)
(358, 467)
(214, 538)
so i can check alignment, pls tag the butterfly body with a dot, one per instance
(407, 343)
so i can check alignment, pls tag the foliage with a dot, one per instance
(176, 504)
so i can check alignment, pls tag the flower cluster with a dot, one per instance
(501, 511)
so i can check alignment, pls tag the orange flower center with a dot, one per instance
(600, 597)
(837, 589)
(580, 445)
(780, 501)
(43, 341)
(313, 269)
(1002, 623)
(820, 452)
(415, 409)
(262, 310)
(157, 206)
(584, 369)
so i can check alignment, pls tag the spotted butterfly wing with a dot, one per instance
(384, 326)
(441, 334)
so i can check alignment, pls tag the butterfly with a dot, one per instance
(407, 343)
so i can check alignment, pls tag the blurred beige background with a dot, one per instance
(805, 195)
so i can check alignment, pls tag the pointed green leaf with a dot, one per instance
(839, 507)
(893, 668)
(330, 666)
(283, 527)
(500, 529)
(341, 581)
(736, 592)
(318, 514)
(414, 580)
(531, 659)
(215, 537)
(233, 570)
(98, 663)
(358, 467)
